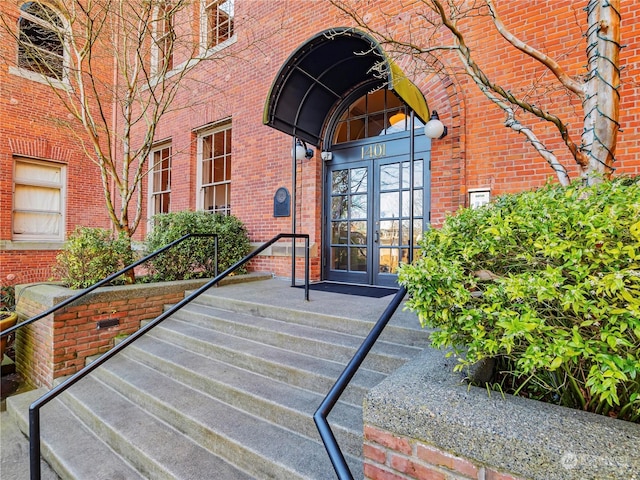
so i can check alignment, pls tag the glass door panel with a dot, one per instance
(393, 217)
(348, 224)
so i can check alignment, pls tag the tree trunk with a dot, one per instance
(602, 100)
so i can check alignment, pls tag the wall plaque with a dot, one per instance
(281, 203)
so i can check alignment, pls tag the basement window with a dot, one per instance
(41, 40)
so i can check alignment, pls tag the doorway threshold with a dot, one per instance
(371, 291)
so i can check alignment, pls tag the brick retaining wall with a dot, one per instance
(59, 344)
(391, 457)
(424, 422)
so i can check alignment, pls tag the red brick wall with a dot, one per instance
(478, 152)
(29, 127)
(390, 457)
(59, 344)
(34, 346)
(26, 266)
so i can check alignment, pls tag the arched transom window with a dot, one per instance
(375, 113)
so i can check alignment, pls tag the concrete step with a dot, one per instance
(68, 445)
(313, 340)
(304, 371)
(403, 329)
(242, 436)
(93, 423)
(226, 388)
(278, 402)
(14, 452)
(197, 434)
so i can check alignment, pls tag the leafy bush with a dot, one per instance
(548, 284)
(90, 255)
(194, 258)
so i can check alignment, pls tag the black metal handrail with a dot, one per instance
(34, 409)
(113, 276)
(320, 417)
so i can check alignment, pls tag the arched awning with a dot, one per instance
(322, 72)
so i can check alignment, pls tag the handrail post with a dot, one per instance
(34, 446)
(293, 259)
(306, 268)
(215, 255)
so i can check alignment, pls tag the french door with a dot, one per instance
(370, 228)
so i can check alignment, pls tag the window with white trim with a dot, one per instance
(217, 21)
(214, 171)
(163, 38)
(160, 180)
(38, 200)
(41, 40)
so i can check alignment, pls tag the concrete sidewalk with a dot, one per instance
(14, 453)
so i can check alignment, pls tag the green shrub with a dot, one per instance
(548, 284)
(90, 255)
(7, 297)
(194, 258)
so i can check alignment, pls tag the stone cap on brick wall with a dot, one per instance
(426, 401)
(52, 293)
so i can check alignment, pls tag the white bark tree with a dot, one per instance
(597, 91)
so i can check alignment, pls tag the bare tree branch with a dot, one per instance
(430, 28)
(490, 89)
(124, 64)
(547, 61)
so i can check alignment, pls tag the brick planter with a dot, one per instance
(59, 344)
(424, 422)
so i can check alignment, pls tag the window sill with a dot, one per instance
(209, 52)
(187, 65)
(22, 245)
(38, 77)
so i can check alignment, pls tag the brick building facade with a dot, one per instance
(47, 185)
(214, 152)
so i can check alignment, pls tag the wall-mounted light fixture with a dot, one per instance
(302, 152)
(434, 127)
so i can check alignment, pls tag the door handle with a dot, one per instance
(376, 236)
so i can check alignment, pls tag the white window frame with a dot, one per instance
(200, 186)
(153, 169)
(157, 21)
(206, 48)
(63, 31)
(30, 182)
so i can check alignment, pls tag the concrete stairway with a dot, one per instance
(225, 389)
